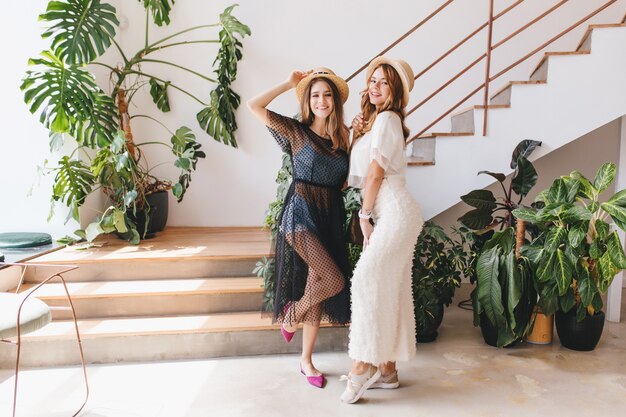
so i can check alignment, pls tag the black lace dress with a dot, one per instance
(311, 254)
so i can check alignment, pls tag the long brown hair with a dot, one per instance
(334, 126)
(393, 102)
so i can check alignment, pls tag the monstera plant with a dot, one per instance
(63, 90)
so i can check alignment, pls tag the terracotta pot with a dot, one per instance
(542, 329)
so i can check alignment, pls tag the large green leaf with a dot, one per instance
(532, 252)
(160, 10)
(586, 286)
(489, 290)
(218, 119)
(523, 149)
(72, 183)
(545, 269)
(619, 199)
(606, 271)
(82, 29)
(526, 177)
(159, 95)
(576, 214)
(558, 192)
(514, 286)
(528, 214)
(585, 189)
(101, 123)
(504, 239)
(549, 299)
(617, 212)
(577, 234)
(602, 228)
(497, 175)
(555, 238)
(615, 249)
(477, 219)
(481, 199)
(605, 176)
(563, 271)
(65, 94)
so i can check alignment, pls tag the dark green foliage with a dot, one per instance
(576, 256)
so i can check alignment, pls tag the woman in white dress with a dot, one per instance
(383, 323)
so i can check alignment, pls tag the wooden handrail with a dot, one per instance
(401, 38)
(480, 58)
(488, 67)
(468, 37)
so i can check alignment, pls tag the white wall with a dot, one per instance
(233, 187)
(586, 155)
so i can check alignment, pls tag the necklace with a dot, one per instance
(325, 136)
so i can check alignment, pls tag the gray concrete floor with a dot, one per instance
(458, 375)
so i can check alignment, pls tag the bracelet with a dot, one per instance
(365, 215)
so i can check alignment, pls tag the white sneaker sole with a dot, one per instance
(364, 387)
(385, 385)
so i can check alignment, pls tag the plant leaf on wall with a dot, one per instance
(160, 10)
(481, 199)
(82, 29)
(523, 149)
(526, 177)
(605, 176)
(159, 95)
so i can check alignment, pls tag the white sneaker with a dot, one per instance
(358, 384)
(387, 382)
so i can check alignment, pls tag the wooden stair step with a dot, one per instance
(584, 40)
(82, 290)
(416, 162)
(165, 338)
(177, 252)
(444, 135)
(154, 297)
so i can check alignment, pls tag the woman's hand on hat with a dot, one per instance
(357, 123)
(296, 76)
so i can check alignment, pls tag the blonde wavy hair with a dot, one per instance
(334, 126)
(393, 103)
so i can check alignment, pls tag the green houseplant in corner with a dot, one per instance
(576, 256)
(438, 264)
(505, 295)
(63, 90)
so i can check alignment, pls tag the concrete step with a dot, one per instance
(503, 95)
(540, 73)
(585, 42)
(108, 299)
(465, 120)
(163, 338)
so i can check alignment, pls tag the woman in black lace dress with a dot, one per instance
(311, 255)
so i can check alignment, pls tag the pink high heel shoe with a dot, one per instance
(316, 381)
(287, 335)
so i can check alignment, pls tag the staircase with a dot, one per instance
(186, 294)
(566, 96)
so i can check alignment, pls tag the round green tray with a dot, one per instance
(24, 240)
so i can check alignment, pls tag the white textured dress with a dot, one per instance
(383, 321)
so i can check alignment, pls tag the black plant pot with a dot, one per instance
(158, 203)
(490, 332)
(429, 332)
(582, 336)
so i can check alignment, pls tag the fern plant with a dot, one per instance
(69, 101)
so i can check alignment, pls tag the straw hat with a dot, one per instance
(328, 74)
(402, 68)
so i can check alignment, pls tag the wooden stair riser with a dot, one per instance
(121, 270)
(38, 352)
(138, 305)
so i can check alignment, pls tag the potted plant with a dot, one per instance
(577, 254)
(504, 296)
(438, 264)
(63, 90)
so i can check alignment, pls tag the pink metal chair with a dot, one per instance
(32, 316)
